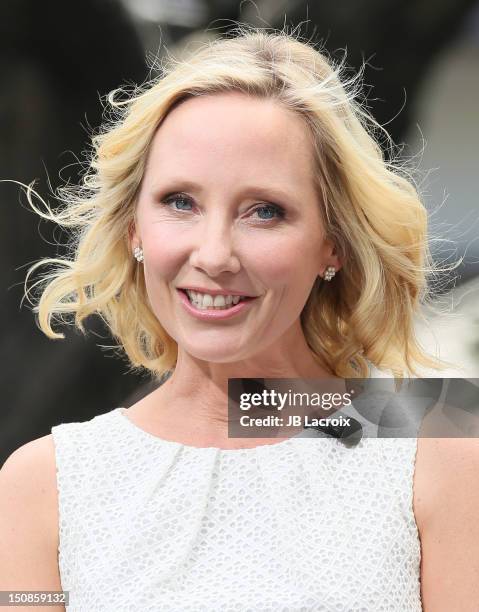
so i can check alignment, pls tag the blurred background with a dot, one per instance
(58, 59)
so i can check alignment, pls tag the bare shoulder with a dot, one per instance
(42, 448)
(31, 471)
(443, 465)
(28, 476)
(446, 506)
(29, 518)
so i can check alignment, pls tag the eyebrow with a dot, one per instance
(266, 192)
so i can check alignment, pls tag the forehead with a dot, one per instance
(233, 132)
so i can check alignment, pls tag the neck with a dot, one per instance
(195, 397)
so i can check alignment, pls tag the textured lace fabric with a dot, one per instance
(304, 524)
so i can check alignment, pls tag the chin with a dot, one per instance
(213, 354)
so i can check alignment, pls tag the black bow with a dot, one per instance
(349, 434)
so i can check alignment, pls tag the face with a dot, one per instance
(227, 203)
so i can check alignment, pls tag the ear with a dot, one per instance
(329, 257)
(133, 238)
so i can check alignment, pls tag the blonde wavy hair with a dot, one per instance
(370, 209)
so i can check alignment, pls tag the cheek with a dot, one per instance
(288, 263)
(162, 253)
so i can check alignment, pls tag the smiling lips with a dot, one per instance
(214, 292)
(214, 298)
(219, 306)
(206, 300)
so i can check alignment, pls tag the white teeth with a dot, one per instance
(219, 300)
(207, 300)
(202, 301)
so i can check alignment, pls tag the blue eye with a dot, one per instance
(277, 210)
(176, 198)
(272, 211)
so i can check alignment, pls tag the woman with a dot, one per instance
(239, 221)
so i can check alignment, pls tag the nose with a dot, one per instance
(214, 251)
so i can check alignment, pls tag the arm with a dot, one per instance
(447, 501)
(29, 521)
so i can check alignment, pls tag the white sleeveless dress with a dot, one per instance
(306, 524)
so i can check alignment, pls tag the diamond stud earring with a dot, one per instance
(138, 253)
(329, 273)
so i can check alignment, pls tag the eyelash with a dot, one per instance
(280, 212)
